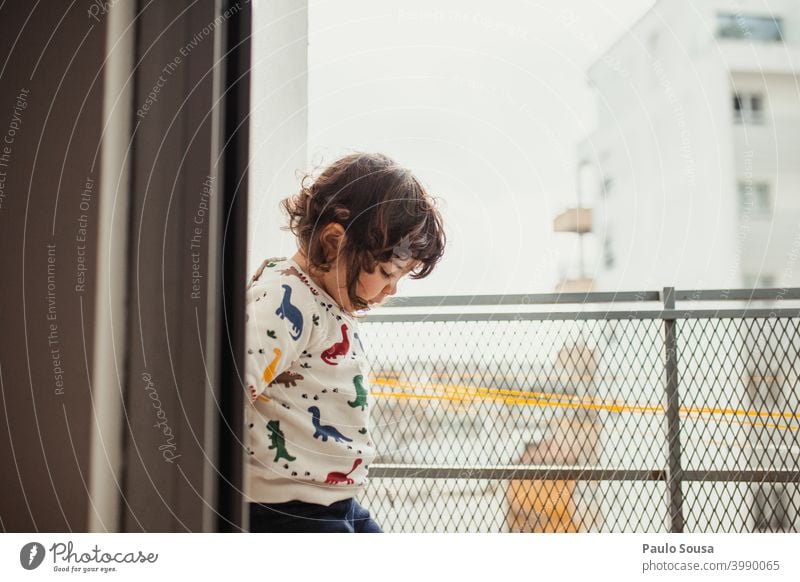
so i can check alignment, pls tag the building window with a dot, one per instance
(605, 188)
(652, 45)
(751, 281)
(748, 108)
(765, 383)
(761, 28)
(770, 504)
(754, 198)
(608, 252)
(767, 389)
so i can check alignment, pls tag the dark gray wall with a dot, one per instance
(179, 434)
(48, 153)
(167, 430)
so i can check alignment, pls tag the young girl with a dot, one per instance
(363, 224)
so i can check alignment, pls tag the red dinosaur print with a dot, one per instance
(337, 477)
(338, 349)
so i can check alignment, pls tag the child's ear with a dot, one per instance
(332, 239)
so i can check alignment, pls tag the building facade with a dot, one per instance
(691, 180)
(692, 173)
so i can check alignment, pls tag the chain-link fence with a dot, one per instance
(623, 415)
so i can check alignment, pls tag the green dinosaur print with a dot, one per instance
(278, 441)
(361, 393)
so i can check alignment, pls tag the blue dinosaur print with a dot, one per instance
(323, 431)
(290, 312)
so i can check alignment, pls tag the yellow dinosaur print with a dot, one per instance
(269, 371)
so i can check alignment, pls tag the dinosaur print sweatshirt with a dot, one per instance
(307, 428)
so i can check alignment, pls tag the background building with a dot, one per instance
(690, 178)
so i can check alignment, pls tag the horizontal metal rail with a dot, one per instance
(572, 473)
(523, 299)
(757, 313)
(772, 294)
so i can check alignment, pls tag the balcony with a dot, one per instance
(764, 146)
(578, 220)
(741, 56)
(593, 412)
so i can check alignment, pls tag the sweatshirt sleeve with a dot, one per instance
(277, 330)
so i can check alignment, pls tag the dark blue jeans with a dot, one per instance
(345, 516)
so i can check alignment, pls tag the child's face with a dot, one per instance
(378, 285)
(375, 287)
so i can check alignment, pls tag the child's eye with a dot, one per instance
(385, 274)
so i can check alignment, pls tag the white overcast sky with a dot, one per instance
(484, 101)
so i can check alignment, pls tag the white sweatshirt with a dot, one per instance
(307, 426)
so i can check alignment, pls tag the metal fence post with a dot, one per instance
(674, 472)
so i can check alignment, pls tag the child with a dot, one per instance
(364, 223)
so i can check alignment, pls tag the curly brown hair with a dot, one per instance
(385, 212)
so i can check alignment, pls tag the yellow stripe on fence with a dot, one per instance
(465, 393)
